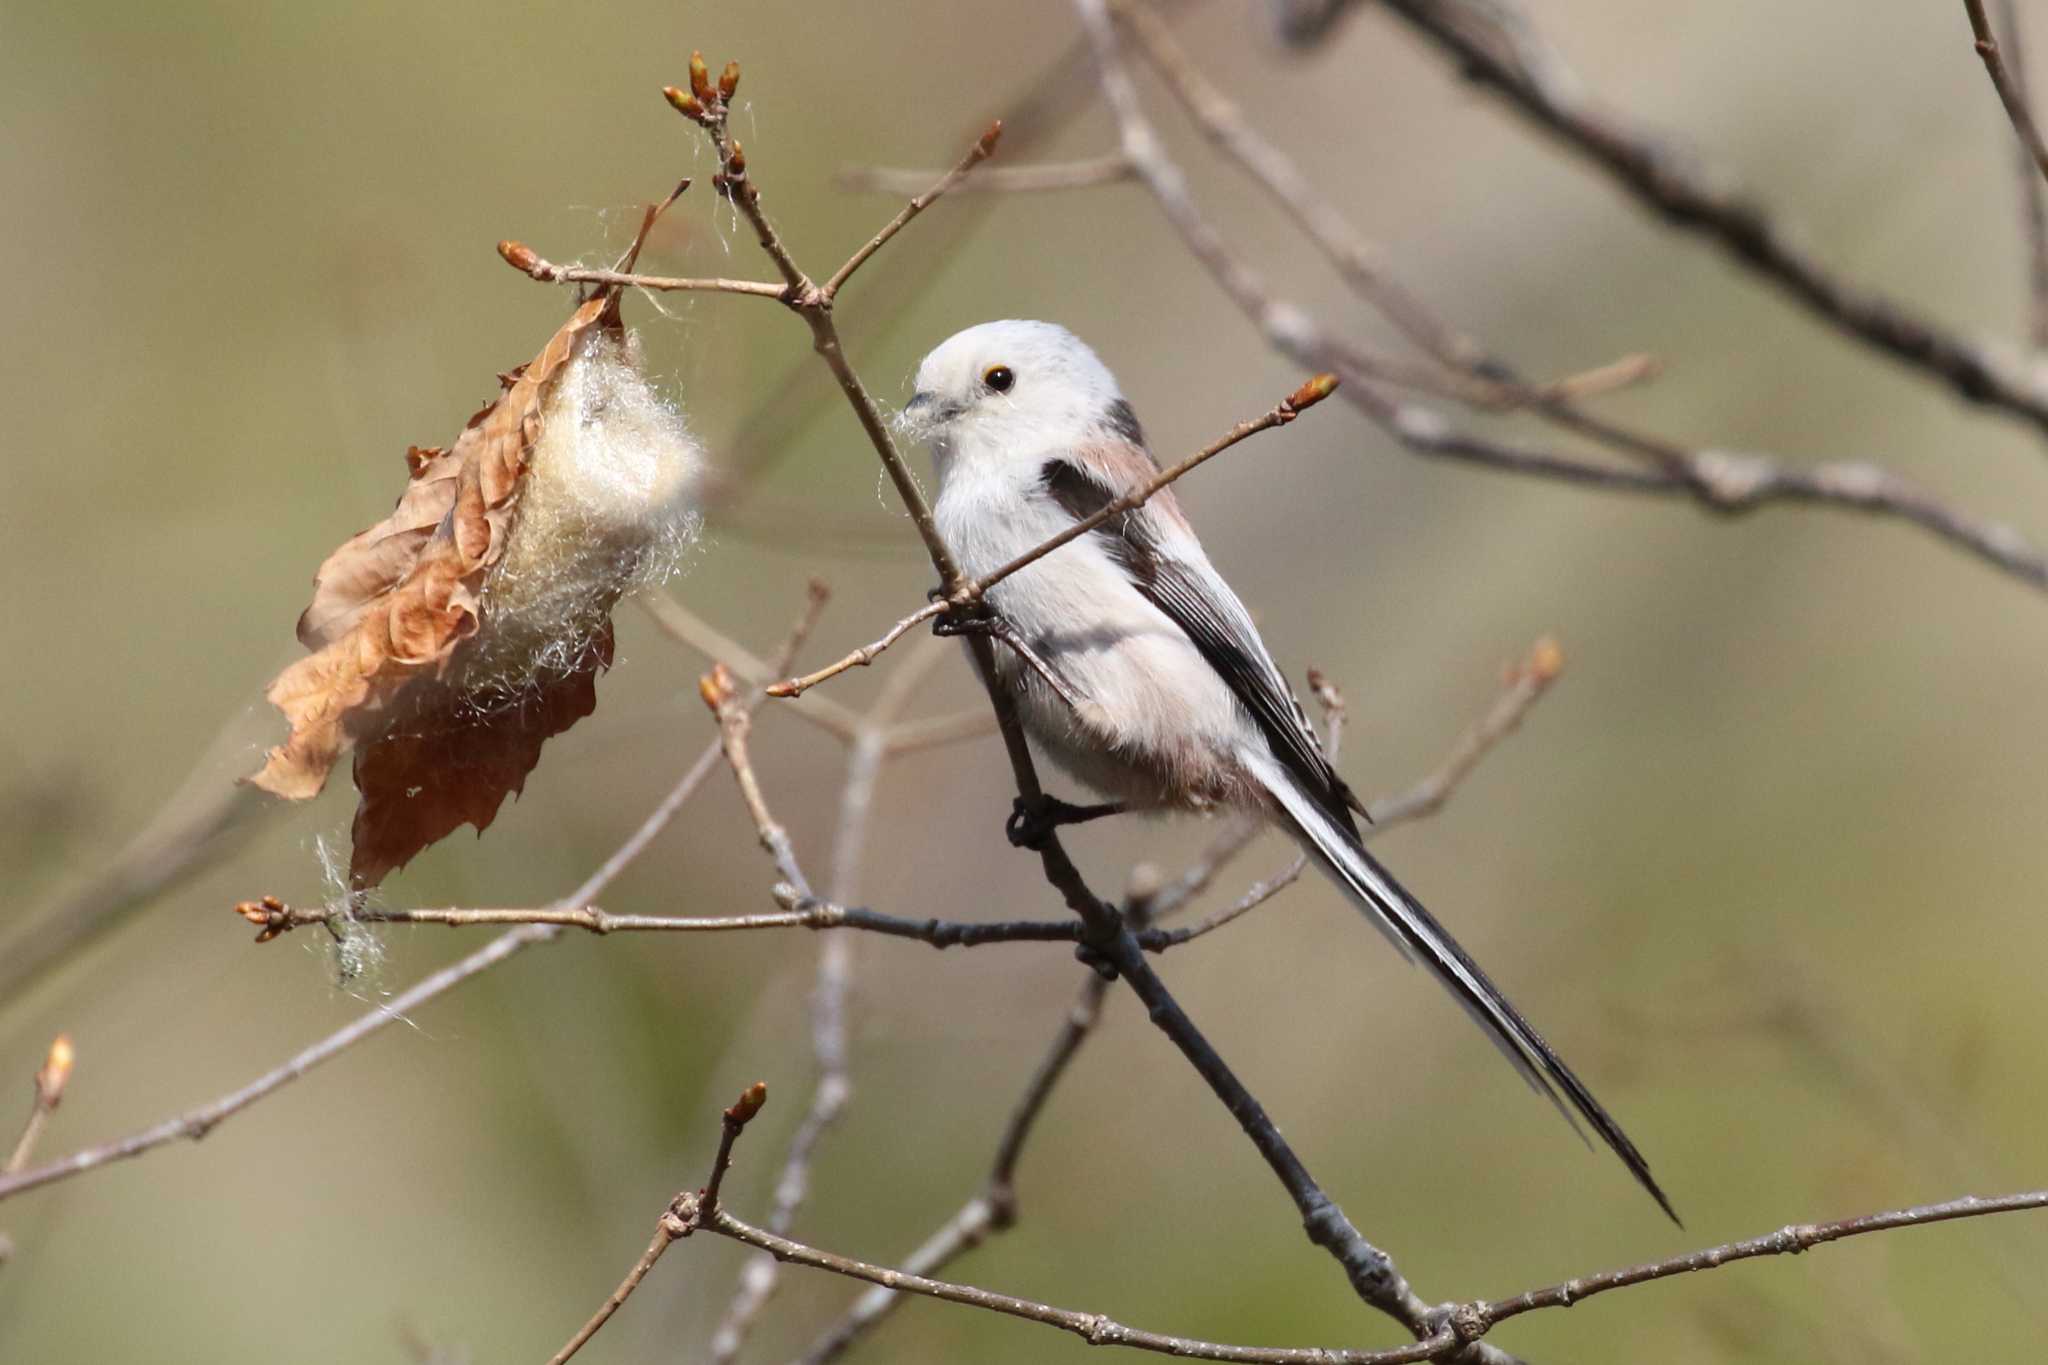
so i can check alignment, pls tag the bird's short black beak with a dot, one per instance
(920, 399)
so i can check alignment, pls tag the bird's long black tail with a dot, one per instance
(1337, 850)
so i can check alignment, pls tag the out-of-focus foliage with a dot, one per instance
(1765, 866)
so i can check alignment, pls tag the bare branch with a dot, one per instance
(1307, 396)
(677, 1221)
(983, 148)
(733, 725)
(685, 626)
(663, 1239)
(859, 658)
(1722, 481)
(1028, 179)
(196, 1123)
(1786, 1241)
(1094, 1328)
(2033, 204)
(50, 1080)
(1361, 263)
(2010, 93)
(933, 731)
(525, 260)
(1493, 43)
(1526, 684)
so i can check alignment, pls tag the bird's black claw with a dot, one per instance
(1033, 821)
(1030, 823)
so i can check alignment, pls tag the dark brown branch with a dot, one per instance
(1512, 60)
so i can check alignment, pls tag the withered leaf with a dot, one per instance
(455, 758)
(392, 611)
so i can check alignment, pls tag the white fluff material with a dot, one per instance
(607, 507)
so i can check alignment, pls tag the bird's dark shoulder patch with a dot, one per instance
(1080, 495)
(1122, 421)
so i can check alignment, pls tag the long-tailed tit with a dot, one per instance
(1165, 696)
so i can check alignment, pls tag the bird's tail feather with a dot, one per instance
(1396, 913)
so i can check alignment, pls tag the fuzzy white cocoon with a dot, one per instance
(607, 506)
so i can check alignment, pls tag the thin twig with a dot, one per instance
(983, 148)
(834, 1086)
(1094, 1328)
(733, 726)
(933, 731)
(1526, 684)
(682, 1217)
(2010, 93)
(1307, 396)
(196, 1123)
(273, 917)
(50, 1080)
(1360, 262)
(1044, 176)
(663, 1239)
(525, 260)
(685, 626)
(859, 658)
(969, 593)
(2033, 203)
(1786, 1241)
(994, 1208)
(814, 307)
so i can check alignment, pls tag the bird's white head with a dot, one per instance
(1014, 388)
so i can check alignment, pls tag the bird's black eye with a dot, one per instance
(999, 378)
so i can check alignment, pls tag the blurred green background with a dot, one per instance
(1766, 865)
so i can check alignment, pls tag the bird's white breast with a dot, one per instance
(1157, 725)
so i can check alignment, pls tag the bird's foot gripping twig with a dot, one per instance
(1033, 819)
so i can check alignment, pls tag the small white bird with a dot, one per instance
(1171, 699)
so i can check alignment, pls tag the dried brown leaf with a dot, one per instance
(456, 757)
(392, 610)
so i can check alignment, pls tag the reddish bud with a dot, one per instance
(728, 80)
(1311, 393)
(685, 103)
(986, 144)
(520, 256)
(56, 1072)
(736, 163)
(1546, 660)
(749, 1103)
(700, 78)
(716, 687)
